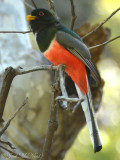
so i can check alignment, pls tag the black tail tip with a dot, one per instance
(97, 149)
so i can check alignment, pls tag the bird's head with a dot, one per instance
(40, 18)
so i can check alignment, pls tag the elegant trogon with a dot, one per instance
(60, 45)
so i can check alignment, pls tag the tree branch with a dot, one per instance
(52, 123)
(7, 143)
(102, 44)
(22, 32)
(28, 5)
(6, 80)
(14, 154)
(112, 14)
(9, 121)
(34, 4)
(73, 14)
(20, 70)
(52, 8)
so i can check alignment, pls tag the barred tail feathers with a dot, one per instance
(88, 109)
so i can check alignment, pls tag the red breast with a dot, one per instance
(74, 67)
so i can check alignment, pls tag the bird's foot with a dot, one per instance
(77, 105)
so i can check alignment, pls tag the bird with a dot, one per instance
(62, 46)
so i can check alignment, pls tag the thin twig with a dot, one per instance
(52, 123)
(14, 154)
(9, 121)
(22, 32)
(34, 4)
(112, 14)
(8, 143)
(20, 71)
(62, 86)
(102, 44)
(28, 5)
(73, 14)
(52, 8)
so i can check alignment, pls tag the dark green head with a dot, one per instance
(40, 19)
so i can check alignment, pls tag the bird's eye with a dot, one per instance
(41, 13)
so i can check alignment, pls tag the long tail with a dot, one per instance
(88, 109)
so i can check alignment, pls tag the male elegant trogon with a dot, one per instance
(60, 45)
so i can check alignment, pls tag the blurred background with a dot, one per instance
(92, 11)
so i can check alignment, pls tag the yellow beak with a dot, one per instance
(30, 18)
